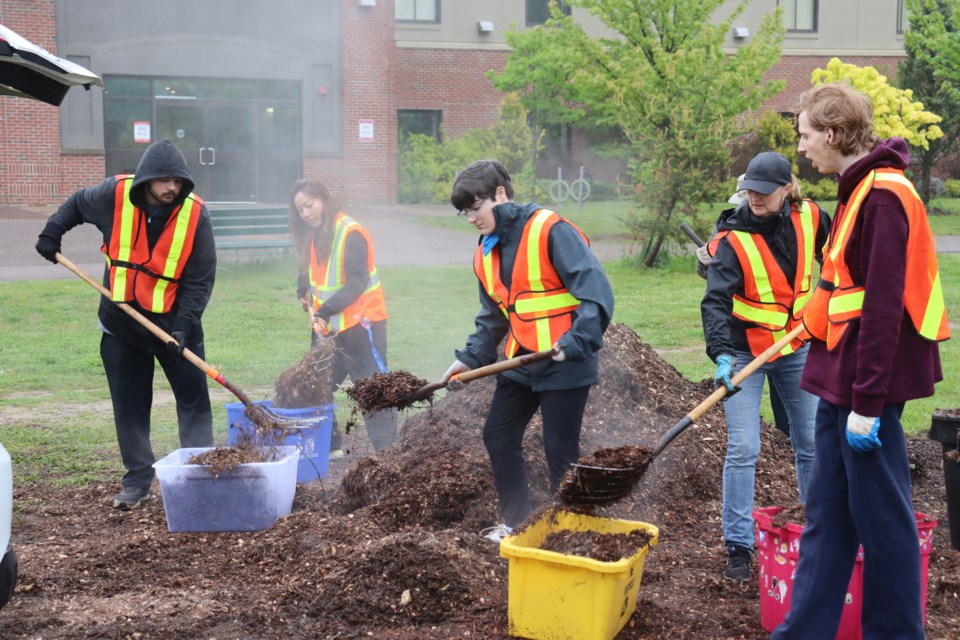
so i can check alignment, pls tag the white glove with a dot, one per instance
(862, 433)
(455, 369)
(560, 356)
(703, 255)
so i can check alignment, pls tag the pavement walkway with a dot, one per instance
(398, 237)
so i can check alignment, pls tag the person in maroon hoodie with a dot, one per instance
(875, 317)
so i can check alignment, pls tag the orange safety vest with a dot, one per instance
(838, 300)
(328, 278)
(137, 273)
(771, 304)
(538, 306)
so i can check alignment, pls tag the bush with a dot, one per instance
(953, 188)
(824, 189)
(426, 168)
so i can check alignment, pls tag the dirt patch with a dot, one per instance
(389, 546)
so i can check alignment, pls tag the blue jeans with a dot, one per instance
(743, 438)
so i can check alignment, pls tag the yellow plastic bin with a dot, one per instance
(555, 596)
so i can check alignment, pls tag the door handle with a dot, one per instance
(213, 156)
(202, 149)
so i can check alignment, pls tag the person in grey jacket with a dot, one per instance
(161, 260)
(552, 294)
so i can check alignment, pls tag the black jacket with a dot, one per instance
(583, 277)
(725, 334)
(95, 205)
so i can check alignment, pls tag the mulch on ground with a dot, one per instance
(389, 546)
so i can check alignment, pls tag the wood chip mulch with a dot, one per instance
(388, 547)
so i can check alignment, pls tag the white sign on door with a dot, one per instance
(141, 132)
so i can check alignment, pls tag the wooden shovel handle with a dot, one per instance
(489, 370)
(139, 317)
(721, 391)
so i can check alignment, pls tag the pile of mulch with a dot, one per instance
(393, 550)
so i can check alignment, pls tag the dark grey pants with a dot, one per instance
(130, 377)
(358, 350)
(512, 408)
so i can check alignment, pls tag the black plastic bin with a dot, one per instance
(945, 429)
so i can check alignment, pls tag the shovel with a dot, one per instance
(585, 484)
(489, 370)
(258, 414)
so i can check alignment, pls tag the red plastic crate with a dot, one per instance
(777, 551)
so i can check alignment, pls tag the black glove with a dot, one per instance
(48, 247)
(179, 342)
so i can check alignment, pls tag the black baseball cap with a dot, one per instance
(766, 172)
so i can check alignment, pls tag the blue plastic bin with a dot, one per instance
(313, 426)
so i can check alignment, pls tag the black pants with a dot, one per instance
(510, 412)
(130, 376)
(356, 356)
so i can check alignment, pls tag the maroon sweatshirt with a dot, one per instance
(881, 359)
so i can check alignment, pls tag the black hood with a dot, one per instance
(162, 159)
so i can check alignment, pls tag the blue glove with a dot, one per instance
(862, 433)
(725, 365)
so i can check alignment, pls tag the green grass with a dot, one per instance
(56, 419)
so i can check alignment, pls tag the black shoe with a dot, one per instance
(738, 563)
(130, 498)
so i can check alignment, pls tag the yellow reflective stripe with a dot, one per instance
(758, 270)
(176, 250)
(534, 271)
(550, 302)
(845, 302)
(127, 215)
(767, 317)
(840, 240)
(898, 178)
(933, 314)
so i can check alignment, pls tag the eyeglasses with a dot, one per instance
(473, 211)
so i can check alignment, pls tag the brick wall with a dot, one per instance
(367, 171)
(32, 170)
(462, 90)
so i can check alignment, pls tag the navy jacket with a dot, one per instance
(581, 274)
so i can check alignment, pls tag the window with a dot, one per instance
(902, 21)
(799, 15)
(422, 121)
(538, 11)
(417, 10)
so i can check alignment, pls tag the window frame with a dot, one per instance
(903, 20)
(815, 20)
(565, 8)
(437, 124)
(436, 10)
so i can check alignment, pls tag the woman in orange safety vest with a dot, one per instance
(340, 286)
(757, 284)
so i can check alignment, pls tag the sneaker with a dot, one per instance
(738, 563)
(130, 498)
(497, 533)
(336, 454)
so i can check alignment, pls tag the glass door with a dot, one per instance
(229, 153)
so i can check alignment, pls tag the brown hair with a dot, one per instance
(796, 196)
(303, 234)
(840, 107)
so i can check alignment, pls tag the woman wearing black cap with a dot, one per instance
(757, 283)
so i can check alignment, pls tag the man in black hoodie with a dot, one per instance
(161, 260)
